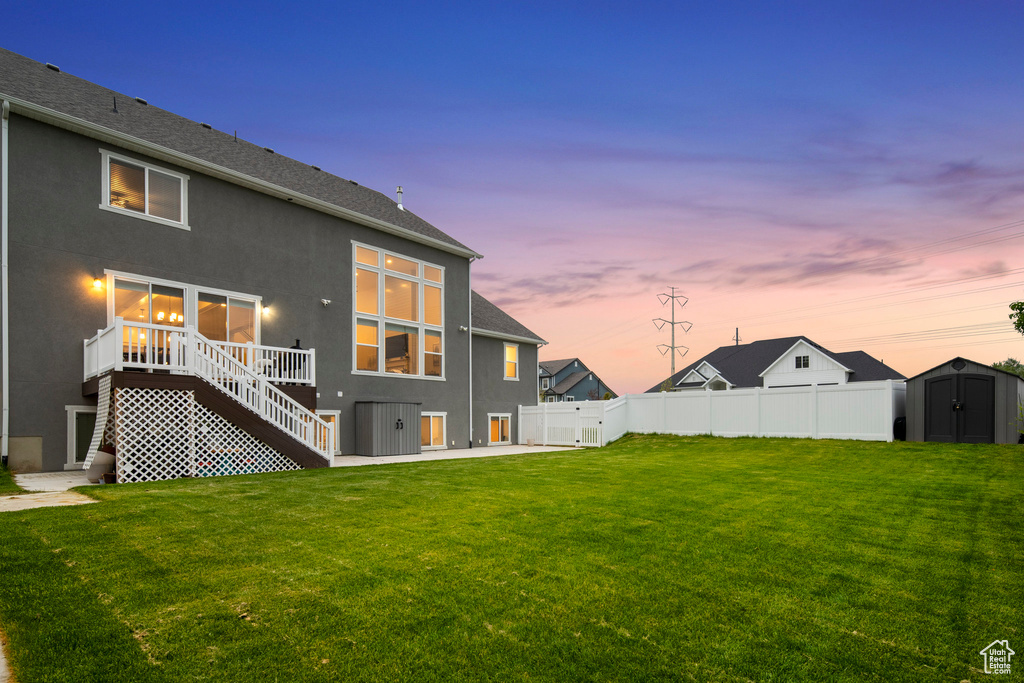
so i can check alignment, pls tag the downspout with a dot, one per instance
(4, 316)
(470, 304)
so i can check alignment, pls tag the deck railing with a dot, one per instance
(231, 368)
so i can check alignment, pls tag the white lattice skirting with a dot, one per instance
(166, 434)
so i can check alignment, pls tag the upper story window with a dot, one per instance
(803, 362)
(511, 361)
(134, 188)
(398, 314)
(545, 383)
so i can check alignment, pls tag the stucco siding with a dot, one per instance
(240, 240)
(492, 393)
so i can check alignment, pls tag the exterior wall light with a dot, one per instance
(97, 283)
(266, 311)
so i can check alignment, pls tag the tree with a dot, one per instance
(1017, 316)
(1010, 365)
(593, 394)
(607, 396)
(666, 385)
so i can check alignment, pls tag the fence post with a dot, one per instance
(544, 426)
(664, 412)
(814, 411)
(711, 414)
(890, 409)
(757, 396)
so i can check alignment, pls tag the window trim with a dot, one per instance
(803, 362)
(337, 427)
(570, 398)
(444, 429)
(490, 418)
(382, 320)
(505, 361)
(106, 156)
(72, 412)
(191, 293)
(545, 383)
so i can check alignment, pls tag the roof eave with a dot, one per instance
(510, 337)
(130, 142)
(805, 342)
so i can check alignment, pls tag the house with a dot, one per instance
(784, 362)
(964, 401)
(570, 380)
(184, 302)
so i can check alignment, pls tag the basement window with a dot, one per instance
(134, 188)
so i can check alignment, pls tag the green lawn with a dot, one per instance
(7, 485)
(657, 558)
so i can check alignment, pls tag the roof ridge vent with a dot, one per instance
(206, 125)
(141, 101)
(269, 150)
(53, 67)
(317, 168)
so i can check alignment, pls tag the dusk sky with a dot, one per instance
(848, 171)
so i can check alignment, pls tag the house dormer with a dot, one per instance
(802, 365)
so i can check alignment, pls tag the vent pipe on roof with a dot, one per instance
(399, 190)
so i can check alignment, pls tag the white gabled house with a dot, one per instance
(774, 363)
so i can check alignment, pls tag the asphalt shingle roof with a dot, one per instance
(28, 80)
(569, 382)
(553, 367)
(742, 365)
(488, 317)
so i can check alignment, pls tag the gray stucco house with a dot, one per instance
(190, 303)
(569, 379)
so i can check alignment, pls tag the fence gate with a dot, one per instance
(564, 424)
(589, 420)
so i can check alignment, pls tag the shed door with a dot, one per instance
(977, 414)
(940, 416)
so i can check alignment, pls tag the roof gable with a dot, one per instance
(553, 367)
(58, 98)
(806, 345)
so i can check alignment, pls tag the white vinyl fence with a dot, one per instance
(861, 410)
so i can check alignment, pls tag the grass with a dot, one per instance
(7, 485)
(657, 558)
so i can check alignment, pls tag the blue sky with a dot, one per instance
(827, 168)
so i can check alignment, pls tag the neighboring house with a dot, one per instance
(570, 380)
(192, 263)
(785, 362)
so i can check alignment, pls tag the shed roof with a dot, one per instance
(986, 366)
(27, 82)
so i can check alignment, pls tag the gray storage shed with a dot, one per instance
(964, 401)
(387, 428)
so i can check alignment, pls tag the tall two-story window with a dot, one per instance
(399, 314)
(134, 188)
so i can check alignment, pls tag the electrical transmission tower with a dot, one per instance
(671, 299)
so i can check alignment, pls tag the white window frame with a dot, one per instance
(803, 362)
(337, 427)
(551, 399)
(383, 321)
(504, 360)
(545, 383)
(191, 294)
(500, 416)
(105, 204)
(72, 411)
(444, 429)
(570, 398)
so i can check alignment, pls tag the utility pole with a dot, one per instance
(671, 298)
